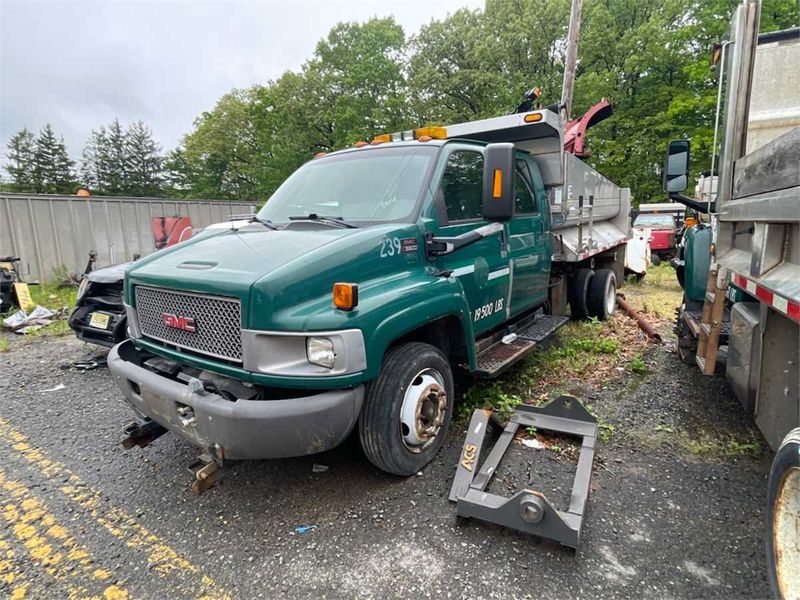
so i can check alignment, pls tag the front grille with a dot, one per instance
(217, 321)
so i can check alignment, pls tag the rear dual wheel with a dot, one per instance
(592, 293)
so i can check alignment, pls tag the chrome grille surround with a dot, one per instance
(217, 319)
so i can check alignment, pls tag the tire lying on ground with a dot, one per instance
(578, 292)
(783, 516)
(655, 259)
(407, 409)
(602, 297)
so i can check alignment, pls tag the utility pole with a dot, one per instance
(571, 58)
(566, 97)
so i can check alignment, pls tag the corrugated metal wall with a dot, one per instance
(48, 231)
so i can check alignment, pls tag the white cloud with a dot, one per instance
(78, 64)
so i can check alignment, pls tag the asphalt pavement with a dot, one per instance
(675, 508)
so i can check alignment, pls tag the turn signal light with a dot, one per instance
(497, 184)
(345, 295)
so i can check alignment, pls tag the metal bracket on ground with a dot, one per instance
(528, 510)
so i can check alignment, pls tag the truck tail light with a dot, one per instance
(345, 295)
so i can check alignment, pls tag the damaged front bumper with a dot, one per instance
(235, 429)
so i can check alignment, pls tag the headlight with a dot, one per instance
(82, 289)
(319, 351)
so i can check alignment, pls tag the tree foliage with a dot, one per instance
(41, 164)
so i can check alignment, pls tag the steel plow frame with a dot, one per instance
(528, 510)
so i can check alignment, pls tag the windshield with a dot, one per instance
(655, 221)
(375, 185)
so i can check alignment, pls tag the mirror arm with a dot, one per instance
(701, 207)
(439, 246)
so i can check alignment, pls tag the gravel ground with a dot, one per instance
(675, 508)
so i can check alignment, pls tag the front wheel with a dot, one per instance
(783, 519)
(407, 409)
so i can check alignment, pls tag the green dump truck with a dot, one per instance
(369, 278)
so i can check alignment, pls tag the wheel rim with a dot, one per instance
(611, 297)
(423, 411)
(784, 534)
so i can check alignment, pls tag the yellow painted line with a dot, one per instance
(165, 561)
(51, 546)
(12, 577)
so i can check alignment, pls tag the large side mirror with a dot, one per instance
(676, 167)
(498, 182)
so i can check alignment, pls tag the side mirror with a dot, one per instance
(498, 182)
(676, 167)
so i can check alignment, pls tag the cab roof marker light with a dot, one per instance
(533, 117)
(360, 144)
(379, 139)
(436, 133)
(320, 154)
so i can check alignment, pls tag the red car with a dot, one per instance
(664, 228)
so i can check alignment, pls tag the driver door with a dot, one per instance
(482, 268)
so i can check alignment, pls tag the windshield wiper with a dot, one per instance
(264, 222)
(332, 221)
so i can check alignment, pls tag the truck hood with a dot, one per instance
(228, 262)
(278, 271)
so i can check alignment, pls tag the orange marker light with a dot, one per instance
(345, 295)
(386, 137)
(497, 189)
(424, 138)
(533, 117)
(320, 154)
(360, 144)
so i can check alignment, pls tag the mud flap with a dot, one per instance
(528, 510)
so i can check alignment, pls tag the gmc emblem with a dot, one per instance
(176, 322)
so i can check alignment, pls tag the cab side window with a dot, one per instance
(524, 202)
(461, 186)
(525, 198)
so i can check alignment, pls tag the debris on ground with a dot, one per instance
(57, 388)
(23, 323)
(533, 443)
(317, 468)
(304, 529)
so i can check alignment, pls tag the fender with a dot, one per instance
(405, 314)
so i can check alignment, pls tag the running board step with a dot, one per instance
(499, 356)
(542, 328)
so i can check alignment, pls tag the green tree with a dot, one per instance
(220, 156)
(145, 171)
(20, 155)
(52, 170)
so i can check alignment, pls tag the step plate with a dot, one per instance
(500, 356)
(542, 328)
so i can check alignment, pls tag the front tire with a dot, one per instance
(783, 515)
(602, 297)
(407, 409)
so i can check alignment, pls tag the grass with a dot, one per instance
(581, 348)
(4, 344)
(657, 294)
